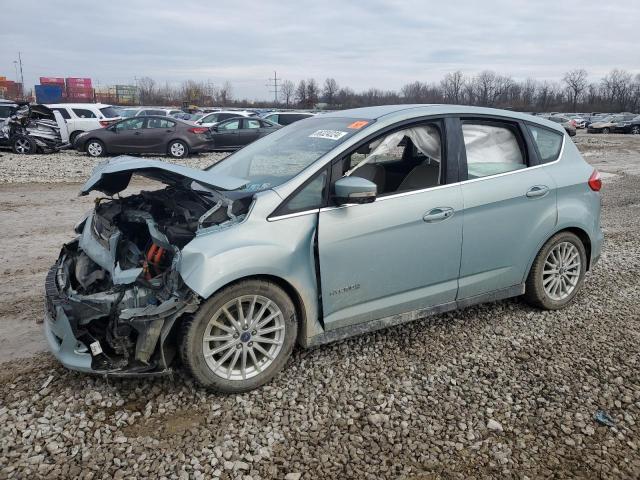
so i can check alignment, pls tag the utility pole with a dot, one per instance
(21, 76)
(273, 86)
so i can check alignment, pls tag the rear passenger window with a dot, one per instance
(549, 143)
(83, 113)
(492, 148)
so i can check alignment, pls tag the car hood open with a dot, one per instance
(114, 175)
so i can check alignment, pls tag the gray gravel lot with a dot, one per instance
(498, 390)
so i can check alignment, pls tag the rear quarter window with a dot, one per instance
(547, 141)
(63, 112)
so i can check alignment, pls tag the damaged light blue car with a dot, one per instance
(337, 225)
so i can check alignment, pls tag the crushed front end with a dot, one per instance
(114, 298)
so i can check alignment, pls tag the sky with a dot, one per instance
(362, 44)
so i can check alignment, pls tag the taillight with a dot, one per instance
(104, 123)
(198, 130)
(595, 181)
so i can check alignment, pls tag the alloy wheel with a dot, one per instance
(94, 149)
(177, 149)
(244, 337)
(636, 130)
(561, 271)
(23, 146)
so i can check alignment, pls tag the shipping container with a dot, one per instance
(52, 81)
(78, 82)
(48, 93)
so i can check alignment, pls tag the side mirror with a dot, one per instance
(355, 190)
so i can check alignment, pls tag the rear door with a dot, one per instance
(156, 134)
(509, 204)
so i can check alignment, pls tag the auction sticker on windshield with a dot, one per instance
(328, 134)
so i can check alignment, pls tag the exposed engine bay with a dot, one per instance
(118, 282)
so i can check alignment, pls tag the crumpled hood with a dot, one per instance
(114, 175)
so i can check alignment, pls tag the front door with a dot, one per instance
(402, 252)
(127, 136)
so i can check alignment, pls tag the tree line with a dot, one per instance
(618, 91)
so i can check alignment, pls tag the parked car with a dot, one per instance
(84, 117)
(335, 226)
(287, 118)
(143, 134)
(626, 126)
(567, 123)
(608, 124)
(237, 132)
(216, 117)
(32, 128)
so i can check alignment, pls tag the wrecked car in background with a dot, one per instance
(33, 128)
(333, 226)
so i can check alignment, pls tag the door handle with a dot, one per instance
(438, 214)
(537, 191)
(137, 133)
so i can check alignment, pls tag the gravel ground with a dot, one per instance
(71, 166)
(497, 390)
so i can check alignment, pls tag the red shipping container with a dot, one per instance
(51, 81)
(79, 89)
(78, 82)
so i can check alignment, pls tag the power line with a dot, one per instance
(273, 86)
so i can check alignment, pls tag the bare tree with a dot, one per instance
(287, 90)
(312, 93)
(617, 87)
(452, 86)
(301, 93)
(225, 94)
(330, 89)
(576, 81)
(147, 91)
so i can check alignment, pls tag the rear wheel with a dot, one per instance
(635, 129)
(95, 148)
(23, 145)
(241, 337)
(557, 273)
(178, 149)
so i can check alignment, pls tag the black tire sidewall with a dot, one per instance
(186, 149)
(539, 293)
(191, 348)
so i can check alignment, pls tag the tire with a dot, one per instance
(561, 249)
(178, 149)
(73, 136)
(95, 148)
(606, 130)
(221, 369)
(23, 145)
(635, 130)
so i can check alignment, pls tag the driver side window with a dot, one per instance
(400, 161)
(131, 124)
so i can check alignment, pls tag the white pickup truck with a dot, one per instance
(83, 117)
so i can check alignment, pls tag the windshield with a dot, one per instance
(282, 155)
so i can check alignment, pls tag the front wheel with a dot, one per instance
(606, 130)
(23, 145)
(635, 129)
(241, 337)
(557, 273)
(178, 149)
